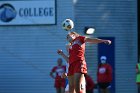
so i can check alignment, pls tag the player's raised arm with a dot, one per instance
(60, 52)
(96, 41)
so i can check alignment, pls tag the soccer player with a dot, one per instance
(104, 75)
(76, 59)
(59, 81)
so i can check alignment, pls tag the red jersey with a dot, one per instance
(59, 70)
(59, 82)
(77, 50)
(104, 73)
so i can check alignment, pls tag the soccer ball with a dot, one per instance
(67, 24)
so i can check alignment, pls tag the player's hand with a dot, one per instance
(64, 75)
(60, 52)
(107, 42)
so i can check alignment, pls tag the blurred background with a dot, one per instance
(31, 32)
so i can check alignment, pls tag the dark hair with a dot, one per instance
(76, 34)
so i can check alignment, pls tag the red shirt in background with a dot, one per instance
(59, 81)
(104, 73)
(59, 70)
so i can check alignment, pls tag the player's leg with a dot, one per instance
(107, 87)
(83, 84)
(71, 78)
(107, 90)
(101, 86)
(71, 84)
(104, 87)
(62, 85)
(102, 90)
(58, 90)
(78, 80)
(58, 86)
(62, 90)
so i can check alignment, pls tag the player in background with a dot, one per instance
(58, 71)
(104, 75)
(76, 59)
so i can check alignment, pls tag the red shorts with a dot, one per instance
(77, 67)
(59, 82)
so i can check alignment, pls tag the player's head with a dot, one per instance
(59, 61)
(103, 59)
(71, 36)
